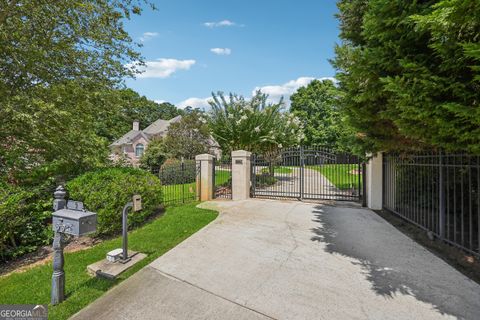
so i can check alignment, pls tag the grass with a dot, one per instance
(281, 170)
(222, 177)
(154, 239)
(174, 193)
(340, 175)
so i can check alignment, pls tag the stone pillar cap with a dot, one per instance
(241, 153)
(204, 157)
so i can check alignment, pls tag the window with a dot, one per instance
(139, 150)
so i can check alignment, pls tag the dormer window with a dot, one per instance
(139, 148)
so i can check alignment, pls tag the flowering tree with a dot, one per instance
(253, 125)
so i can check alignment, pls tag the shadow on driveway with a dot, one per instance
(392, 262)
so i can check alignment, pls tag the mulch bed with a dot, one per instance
(44, 254)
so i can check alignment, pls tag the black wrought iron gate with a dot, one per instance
(314, 173)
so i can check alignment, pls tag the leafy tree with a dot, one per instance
(42, 43)
(409, 73)
(59, 62)
(51, 133)
(121, 107)
(252, 125)
(154, 155)
(189, 136)
(316, 106)
(22, 215)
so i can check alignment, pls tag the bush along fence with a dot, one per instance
(178, 179)
(437, 192)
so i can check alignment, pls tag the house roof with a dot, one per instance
(129, 137)
(160, 126)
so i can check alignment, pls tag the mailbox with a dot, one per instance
(137, 202)
(69, 217)
(74, 220)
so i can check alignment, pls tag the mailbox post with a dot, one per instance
(58, 276)
(69, 218)
(119, 260)
(136, 204)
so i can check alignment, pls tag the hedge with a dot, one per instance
(172, 172)
(106, 191)
(24, 213)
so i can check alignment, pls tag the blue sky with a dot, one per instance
(195, 47)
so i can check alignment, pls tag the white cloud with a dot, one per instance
(160, 101)
(221, 51)
(223, 23)
(275, 92)
(195, 103)
(148, 35)
(163, 68)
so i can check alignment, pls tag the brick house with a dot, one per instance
(133, 144)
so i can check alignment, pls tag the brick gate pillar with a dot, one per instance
(205, 174)
(241, 174)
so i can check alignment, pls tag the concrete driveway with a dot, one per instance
(314, 183)
(265, 259)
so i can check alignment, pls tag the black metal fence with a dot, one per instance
(178, 178)
(437, 192)
(222, 178)
(314, 173)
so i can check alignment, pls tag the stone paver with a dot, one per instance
(266, 259)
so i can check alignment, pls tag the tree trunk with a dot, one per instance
(271, 170)
(12, 240)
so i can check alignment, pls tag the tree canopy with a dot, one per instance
(154, 156)
(188, 137)
(409, 73)
(253, 125)
(316, 105)
(117, 111)
(60, 66)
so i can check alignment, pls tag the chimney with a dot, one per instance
(136, 125)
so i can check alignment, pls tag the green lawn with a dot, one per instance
(174, 193)
(222, 177)
(284, 170)
(339, 174)
(154, 239)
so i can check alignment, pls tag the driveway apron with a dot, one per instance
(267, 259)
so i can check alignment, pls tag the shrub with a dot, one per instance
(172, 172)
(264, 180)
(154, 156)
(23, 214)
(106, 191)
